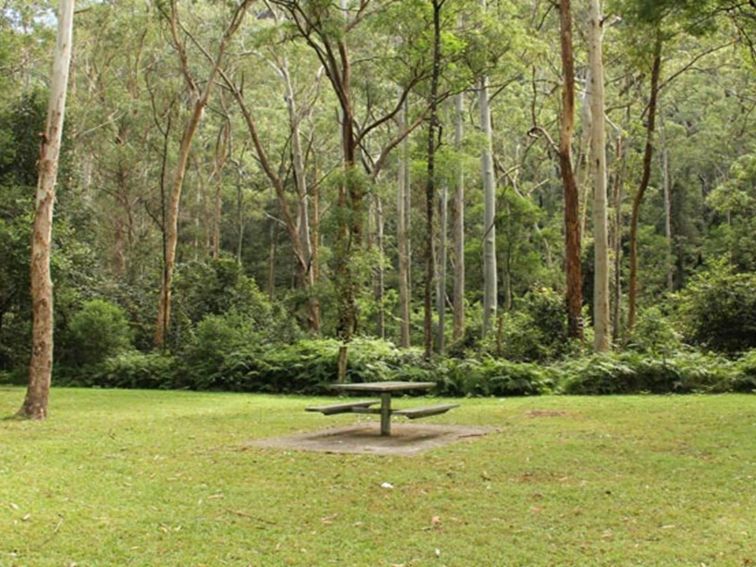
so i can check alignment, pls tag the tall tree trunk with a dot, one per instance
(601, 320)
(272, 260)
(490, 276)
(584, 162)
(239, 218)
(632, 291)
(571, 201)
(315, 225)
(380, 285)
(667, 187)
(430, 182)
(222, 145)
(402, 205)
(303, 210)
(441, 282)
(40, 366)
(458, 229)
(619, 181)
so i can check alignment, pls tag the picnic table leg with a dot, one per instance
(386, 413)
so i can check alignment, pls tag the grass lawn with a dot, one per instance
(162, 478)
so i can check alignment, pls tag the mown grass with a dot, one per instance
(163, 478)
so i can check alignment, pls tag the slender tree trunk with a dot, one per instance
(221, 155)
(315, 226)
(490, 279)
(240, 218)
(632, 291)
(619, 181)
(441, 282)
(380, 285)
(601, 320)
(402, 200)
(667, 187)
(171, 228)
(272, 260)
(430, 182)
(40, 366)
(583, 165)
(303, 210)
(571, 201)
(458, 221)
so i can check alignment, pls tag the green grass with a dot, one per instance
(162, 478)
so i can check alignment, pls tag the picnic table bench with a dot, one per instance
(385, 389)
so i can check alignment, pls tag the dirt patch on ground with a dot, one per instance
(545, 413)
(405, 439)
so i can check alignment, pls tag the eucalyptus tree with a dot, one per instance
(434, 126)
(573, 268)
(199, 95)
(655, 24)
(458, 224)
(601, 317)
(296, 219)
(490, 273)
(40, 366)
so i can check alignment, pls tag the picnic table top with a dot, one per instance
(384, 387)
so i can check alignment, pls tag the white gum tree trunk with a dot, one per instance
(601, 318)
(458, 229)
(40, 366)
(490, 283)
(402, 209)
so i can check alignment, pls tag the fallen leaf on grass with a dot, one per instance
(328, 520)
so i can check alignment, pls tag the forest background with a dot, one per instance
(249, 193)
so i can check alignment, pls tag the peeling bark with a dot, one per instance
(40, 366)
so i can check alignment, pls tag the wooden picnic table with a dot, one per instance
(385, 390)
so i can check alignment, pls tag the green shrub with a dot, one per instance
(718, 310)
(219, 287)
(97, 331)
(132, 369)
(537, 329)
(745, 376)
(213, 358)
(492, 377)
(634, 373)
(654, 334)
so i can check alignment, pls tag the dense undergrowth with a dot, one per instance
(309, 366)
(227, 335)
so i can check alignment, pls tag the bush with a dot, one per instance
(492, 377)
(745, 377)
(97, 331)
(633, 373)
(212, 358)
(537, 330)
(130, 369)
(654, 334)
(718, 310)
(220, 287)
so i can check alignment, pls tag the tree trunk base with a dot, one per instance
(342, 364)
